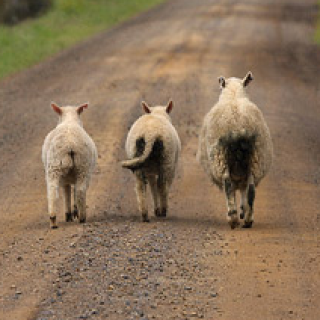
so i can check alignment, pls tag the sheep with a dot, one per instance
(153, 147)
(69, 156)
(235, 147)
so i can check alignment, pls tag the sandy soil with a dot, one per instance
(190, 265)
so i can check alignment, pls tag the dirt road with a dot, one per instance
(190, 265)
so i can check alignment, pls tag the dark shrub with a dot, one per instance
(14, 11)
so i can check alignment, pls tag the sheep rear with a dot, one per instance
(147, 154)
(238, 153)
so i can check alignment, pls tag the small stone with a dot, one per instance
(60, 293)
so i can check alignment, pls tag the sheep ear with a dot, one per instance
(222, 82)
(82, 107)
(55, 108)
(145, 107)
(247, 79)
(169, 106)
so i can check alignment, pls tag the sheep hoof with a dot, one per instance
(247, 225)
(75, 213)
(164, 212)
(157, 212)
(234, 224)
(83, 220)
(233, 219)
(69, 217)
(161, 213)
(53, 223)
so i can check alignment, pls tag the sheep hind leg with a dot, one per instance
(67, 202)
(163, 193)
(53, 192)
(141, 191)
(75, 212)
(154, 191)
(251, 193)
(232, 215)
(81, 201)
(244, 202)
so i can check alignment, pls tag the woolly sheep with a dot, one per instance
(69, 156)
(235, 147)
(153, 147)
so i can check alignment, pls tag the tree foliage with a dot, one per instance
(14, 11)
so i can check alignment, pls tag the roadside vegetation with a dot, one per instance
(66, 23)
(14, 11)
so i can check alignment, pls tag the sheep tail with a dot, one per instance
(144, 149)
(72, 154)
(68, 161)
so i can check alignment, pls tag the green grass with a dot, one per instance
(68, 22)
(317, 35)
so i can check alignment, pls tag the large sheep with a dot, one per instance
(235, 147)
(69, 156)
(153, 147)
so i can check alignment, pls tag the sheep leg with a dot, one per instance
(230, 192)
(141, 191)
(251, 193)
(163, 193)
(75, 208)
(81, 201)
(154, 191)
(53, 192)
(67, 202)
(244, 202)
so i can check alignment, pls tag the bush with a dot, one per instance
(65, 24)
(14, 11)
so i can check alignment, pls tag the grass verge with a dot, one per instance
(68, 22)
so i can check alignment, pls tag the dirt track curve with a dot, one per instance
(190, 265)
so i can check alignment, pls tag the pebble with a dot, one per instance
(133, 271)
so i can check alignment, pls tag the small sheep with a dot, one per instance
(235, 147)
(69, 156)
(153, 147)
